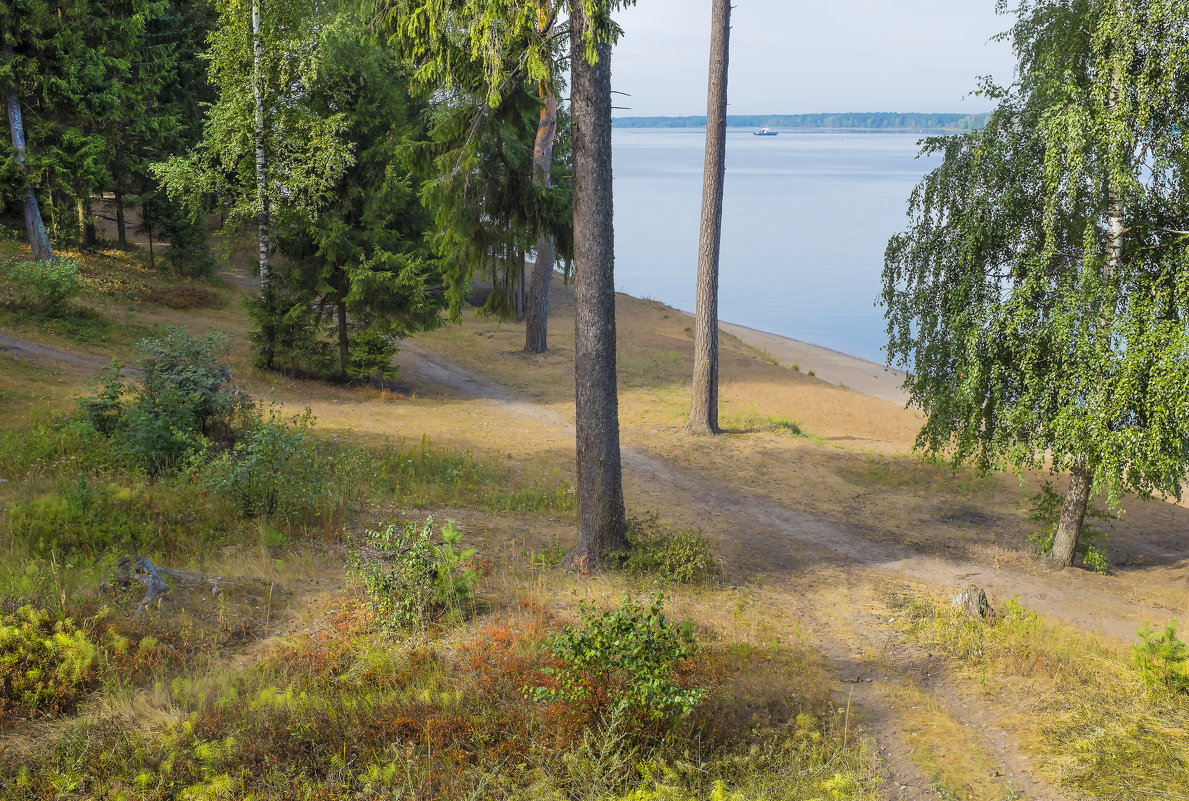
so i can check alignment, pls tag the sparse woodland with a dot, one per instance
(332, 466)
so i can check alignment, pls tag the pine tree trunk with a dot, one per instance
(703, 411)
(1073, 514)
(121, 223)
(148, 224)
(601, 521)
(344, 344)
(86, 224)
(39, 240)
(262, 215)
(536, 322)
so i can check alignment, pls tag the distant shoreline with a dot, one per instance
(860, 121)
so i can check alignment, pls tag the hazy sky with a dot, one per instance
(793, 57)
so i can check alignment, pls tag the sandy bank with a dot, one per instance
(831, 366)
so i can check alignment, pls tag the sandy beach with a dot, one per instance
(831, 366)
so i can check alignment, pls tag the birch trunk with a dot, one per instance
(1077, 497)
(1073, 514)
(39, 240)
(262, 211)
(703, 412)
(601, 521)
(536, 322)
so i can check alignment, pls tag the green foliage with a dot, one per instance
(533, 498)
(46, 665)
(413, 580)
(1037, 299)
(1046, 509)
(47, 288)
(278, 468)
(629, 656)
(1162, 659)
(183, 401)
(683, 557)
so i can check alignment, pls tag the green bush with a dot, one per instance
(410, 579)
(43, 287)
(183, 401)
(683, 557)
(45, 665)
(279, 468)
(53, 444)
(629, 656)
(1162, 659)
(1046, 509)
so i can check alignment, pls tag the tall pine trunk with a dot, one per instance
(39, 240)
(602, 525)
(262, 215)
(536, 323)
(148, 225)
(703, 410)
(121, 223)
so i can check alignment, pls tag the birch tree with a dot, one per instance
(262, 146)
(1039, 298)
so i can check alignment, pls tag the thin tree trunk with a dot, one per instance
(703, 411)
(601, 520)
(262, 215)
(1073, 514)
(344, 345)
(148, 224)
(86, 223)
(121, 223)
(520, 285)
(1077, 497)
(536, 314)
(39, 240)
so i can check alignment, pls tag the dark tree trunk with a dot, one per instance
(39, 240)
(121, 224)
(1073, 513)
(86, 224)
(601, 521)
(703, 410)
(536, 314)
(344, 345)
(148, 225)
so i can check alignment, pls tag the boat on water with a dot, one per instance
(766, 132)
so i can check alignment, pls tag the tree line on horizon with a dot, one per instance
(878, 121)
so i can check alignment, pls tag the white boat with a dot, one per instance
(766, 132)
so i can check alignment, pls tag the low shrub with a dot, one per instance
(46, 665)
(630, 656)
(47, 288)
(683, 557)
(411, 579)
(1162, 659)
(279, 468)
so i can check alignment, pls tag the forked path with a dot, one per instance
(769, 538)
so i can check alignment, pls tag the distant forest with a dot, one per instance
(881, 121)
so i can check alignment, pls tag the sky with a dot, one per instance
(798, 57)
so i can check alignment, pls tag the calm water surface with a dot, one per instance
(806, 218)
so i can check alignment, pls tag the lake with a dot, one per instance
(806, 218)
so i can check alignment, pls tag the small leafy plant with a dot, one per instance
(1162, 658)
(1046, 509)
(682, 557)
(412, 579)
(44, 287)
(630, 657)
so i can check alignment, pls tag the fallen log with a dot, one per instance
(141, 569)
